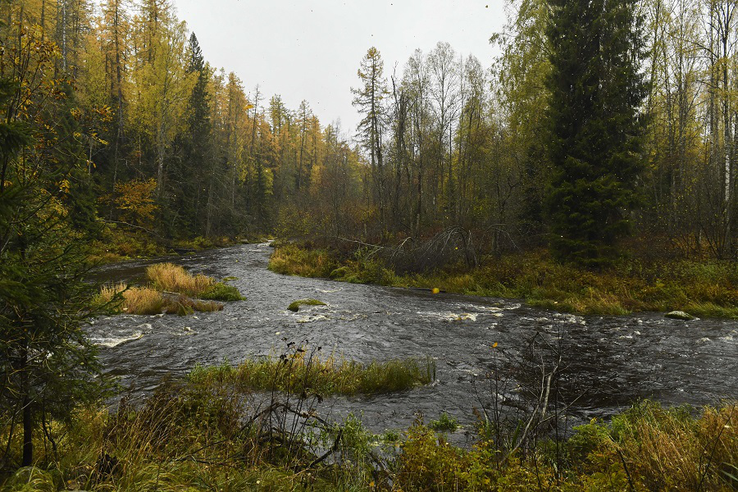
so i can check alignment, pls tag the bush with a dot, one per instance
(445, 423)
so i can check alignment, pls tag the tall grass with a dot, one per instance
(291, 259)
(201, 437)
(174, 278)
(301, 372)
(148, 301)
(170, 290)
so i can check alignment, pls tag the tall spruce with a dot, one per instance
(192, 173)
(595, 127)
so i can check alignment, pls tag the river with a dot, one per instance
(608, 362)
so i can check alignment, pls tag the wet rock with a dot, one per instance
(679, 315)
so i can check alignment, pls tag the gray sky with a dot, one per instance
(312, 49)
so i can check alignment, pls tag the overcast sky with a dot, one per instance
(311, 49)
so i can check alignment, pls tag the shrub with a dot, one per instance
(445, 423)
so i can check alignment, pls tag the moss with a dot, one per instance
(295, 306)
(222, 292)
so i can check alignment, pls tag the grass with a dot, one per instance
(220, 291)
(171, 290)
(301, 372)
(198, 437)
(295, 306)
(174, 278)
(290, 259)
(702, 288)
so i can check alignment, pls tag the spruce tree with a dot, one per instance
(595, 126)
(192, 172)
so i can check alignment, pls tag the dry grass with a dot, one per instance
(143, 300)
(109, 298)
(670, 450)
(169, 292)
(174, 278)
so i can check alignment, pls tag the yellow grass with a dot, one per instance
(143, 300)
(107, 295)
(174, 278)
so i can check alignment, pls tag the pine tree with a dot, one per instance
(596, 130)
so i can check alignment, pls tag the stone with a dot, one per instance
(679, 315)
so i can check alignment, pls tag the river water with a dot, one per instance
(607, 362)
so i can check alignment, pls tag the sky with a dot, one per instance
(311, 49)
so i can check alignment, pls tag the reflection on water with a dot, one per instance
(608, 362)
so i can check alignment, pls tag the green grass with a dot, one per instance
(300, 373)
(706, 288)
(220, 291)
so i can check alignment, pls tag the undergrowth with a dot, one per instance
(195, 437)
(702, 288)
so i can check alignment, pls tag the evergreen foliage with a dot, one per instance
(47, 366)
(596, 130)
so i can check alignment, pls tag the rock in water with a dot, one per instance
(679, 315)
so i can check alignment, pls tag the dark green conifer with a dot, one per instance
(595, 126)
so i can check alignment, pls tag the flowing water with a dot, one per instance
(608, 361)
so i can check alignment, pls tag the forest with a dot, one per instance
(133, 129)
(590, 168)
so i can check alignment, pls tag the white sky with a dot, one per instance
(311, 49)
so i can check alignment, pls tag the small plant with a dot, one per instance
(295, 306)
(445, 423)
(222, 292)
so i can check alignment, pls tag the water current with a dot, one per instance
(608, 362)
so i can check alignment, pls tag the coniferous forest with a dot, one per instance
(592, 167)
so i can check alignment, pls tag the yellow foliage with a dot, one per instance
(135, 202)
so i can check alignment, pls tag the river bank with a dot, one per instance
(194, 437)
(706, 288)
